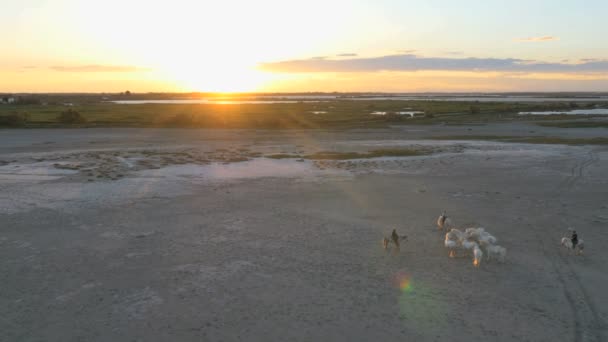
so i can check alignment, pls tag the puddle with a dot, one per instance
(255, 168)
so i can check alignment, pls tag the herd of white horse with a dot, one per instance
(475, 242)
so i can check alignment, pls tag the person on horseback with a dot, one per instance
(395, 237)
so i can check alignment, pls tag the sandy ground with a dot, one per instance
(192, 235)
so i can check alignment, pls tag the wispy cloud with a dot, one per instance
(98, 68)
(454, 53)
(347, 55)
(588, 60)
(415, 63)
(537, 39)
(406, 51)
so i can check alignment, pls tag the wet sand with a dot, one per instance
(189, 235)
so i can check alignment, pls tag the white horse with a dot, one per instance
(469, 246)
(567, 243)
(453, 242)
(494, 251)
(477, 256)
(452, 246)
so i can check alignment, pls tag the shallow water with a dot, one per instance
(255, 168)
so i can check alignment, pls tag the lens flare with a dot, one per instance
(406, 285)
(403, 281)
(422, 307)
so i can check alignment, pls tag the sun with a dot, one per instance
(199, 68)
(229, 79)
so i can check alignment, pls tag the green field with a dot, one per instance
(339, 114)
(575, 124)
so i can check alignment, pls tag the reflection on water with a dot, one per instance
(255, 168)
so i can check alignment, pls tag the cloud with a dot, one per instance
(98, 68)
(409, 62)
(454, 53)
(347, 55)
(588, 60)
(537, 39)
(405, 52)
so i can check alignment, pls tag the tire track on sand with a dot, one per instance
(577, 172)
(568, 294)
(587, 321)
(595, 325)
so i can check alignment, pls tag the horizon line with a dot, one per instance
(305, 92)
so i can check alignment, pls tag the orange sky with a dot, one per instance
(271, 45)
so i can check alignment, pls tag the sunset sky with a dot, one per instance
(313, 45)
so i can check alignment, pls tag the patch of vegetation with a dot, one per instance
(474, 137)
(528, 139)
(575, 124)
(70, 117)
(14, 120)
(340, 113)
(565, 141)
(332, 155)
(336, 155)
(283, 156)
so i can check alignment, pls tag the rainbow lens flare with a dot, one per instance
(421, 307)
(403, 281)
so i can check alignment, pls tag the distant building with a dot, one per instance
(7, 100)
(412, 114)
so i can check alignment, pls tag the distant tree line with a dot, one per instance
(14, 120)
(71, 117)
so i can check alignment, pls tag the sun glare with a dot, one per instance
(206, 46)
(223, 79)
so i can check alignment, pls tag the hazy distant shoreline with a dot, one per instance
(296, 99)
